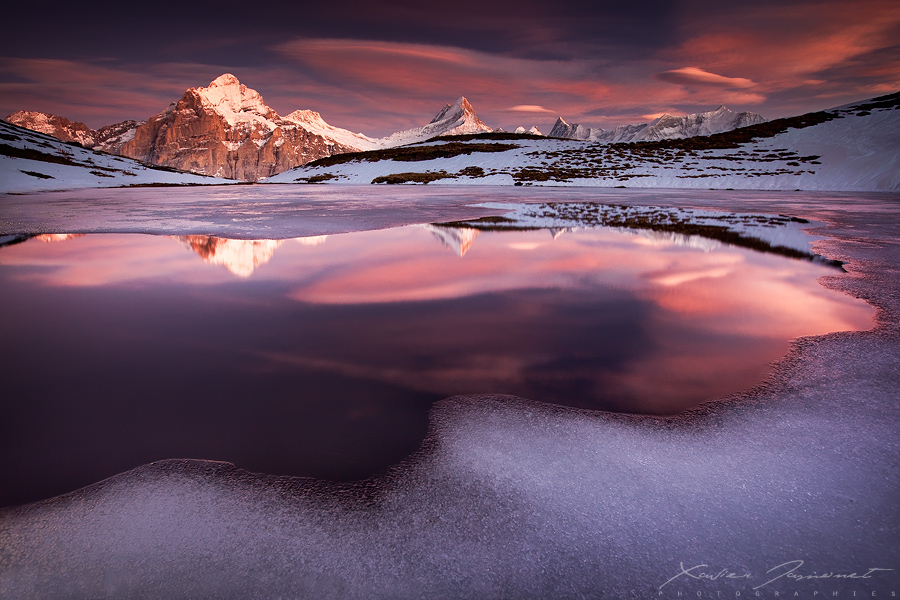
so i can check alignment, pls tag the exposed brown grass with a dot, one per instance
(411, 153)
(412, 177)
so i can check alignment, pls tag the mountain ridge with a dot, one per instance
(664, 127)
(208, 129)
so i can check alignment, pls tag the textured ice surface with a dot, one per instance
(514, 499)
(282, 212)
(776, 230)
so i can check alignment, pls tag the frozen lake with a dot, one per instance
(198, 342)
(322, 356)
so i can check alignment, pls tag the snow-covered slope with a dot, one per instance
(665, 127)
(853, 147)
(31, 161)
(314, 123)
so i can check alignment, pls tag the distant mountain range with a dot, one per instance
(850, 147)
(227, 130)
(665, 127)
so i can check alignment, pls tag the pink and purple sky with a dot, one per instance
(379, 67)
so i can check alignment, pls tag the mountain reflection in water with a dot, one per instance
(241, 257)
(325, 361)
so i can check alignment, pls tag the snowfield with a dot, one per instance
(33, 162)
(850, 148)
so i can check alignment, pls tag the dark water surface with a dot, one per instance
(322, 356)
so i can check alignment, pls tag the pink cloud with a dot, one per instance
(697, 76)
(824, 45)
(529, 108)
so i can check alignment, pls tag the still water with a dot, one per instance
(322, 356)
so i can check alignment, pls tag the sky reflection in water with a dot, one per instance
(321, 356)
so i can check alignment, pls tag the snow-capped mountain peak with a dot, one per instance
(306, 117)
(458, 118)
(456, 110)
(520, 130)
(224, 80)
(234, 100)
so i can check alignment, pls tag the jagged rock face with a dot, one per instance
(59, 127)
(108, 138)
(665, 127)
(111, 137)
(226, 130)
(575, 131)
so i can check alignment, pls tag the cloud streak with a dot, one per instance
(697, 76)
(529, 108)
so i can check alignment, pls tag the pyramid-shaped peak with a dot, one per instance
(463, 103)
(454, 111)
(560, 121)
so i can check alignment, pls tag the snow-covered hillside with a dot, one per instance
(314, 123)
(31, 161)
(853, 147)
